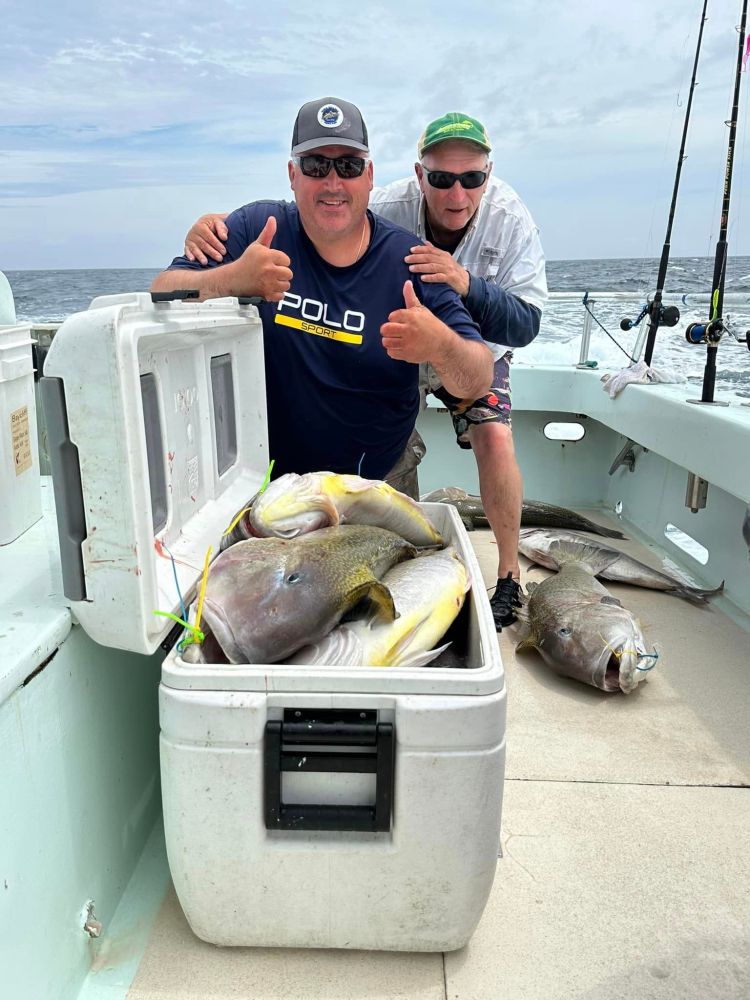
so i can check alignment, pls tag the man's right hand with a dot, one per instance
(205, 238)
(261, 270)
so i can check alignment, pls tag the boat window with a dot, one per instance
(154, 451)
(564, 431)
(688, 544)
(225, 421)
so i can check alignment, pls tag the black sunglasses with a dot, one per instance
(444, 179)
(316, 165)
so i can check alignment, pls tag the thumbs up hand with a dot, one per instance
(414, 333)
(261, 270)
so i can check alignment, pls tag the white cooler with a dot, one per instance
(303, 807)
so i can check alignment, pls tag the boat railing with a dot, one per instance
(589, 299)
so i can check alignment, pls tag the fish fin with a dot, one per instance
(608, 599)
(526, 644)
(326, 503)
(695, 594)
(609, 532)
(380, 599)
(531, 587)
(340, 648)
(589, 553)
(421, 658)
(357, 484)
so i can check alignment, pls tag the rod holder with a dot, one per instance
(697, 491)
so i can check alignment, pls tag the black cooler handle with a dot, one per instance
(366, 746)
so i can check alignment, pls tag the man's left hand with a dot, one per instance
(413, 334)
(438, 265)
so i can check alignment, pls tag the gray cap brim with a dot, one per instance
(303, 147)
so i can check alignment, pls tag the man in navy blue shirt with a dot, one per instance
(344, 329)
(479, 239)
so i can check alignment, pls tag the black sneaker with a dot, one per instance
(507, 596)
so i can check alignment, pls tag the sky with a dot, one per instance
(122, 123)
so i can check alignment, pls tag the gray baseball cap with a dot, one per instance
(329, 122)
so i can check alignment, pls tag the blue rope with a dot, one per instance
(176, 583)
(647, 656)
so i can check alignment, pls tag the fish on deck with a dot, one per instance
(581, 631)
(546, 547)
(533, 512)
(267, 597)
(428, 592)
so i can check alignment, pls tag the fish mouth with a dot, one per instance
(222, 631)
(612, 672)
(627, 663)
(617, 664)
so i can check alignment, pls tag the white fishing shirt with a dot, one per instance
(500, 249)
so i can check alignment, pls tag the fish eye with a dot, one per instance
(565, 630)
(294, 577)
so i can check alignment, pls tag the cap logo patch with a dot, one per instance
(330, 116)
(455, 126)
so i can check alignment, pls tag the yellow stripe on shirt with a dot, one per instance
(319, 331)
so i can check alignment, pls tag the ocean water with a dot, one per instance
(50, 296)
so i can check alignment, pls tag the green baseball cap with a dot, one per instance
(453, 125)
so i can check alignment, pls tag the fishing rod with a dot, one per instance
(658, 314)
(711, 333)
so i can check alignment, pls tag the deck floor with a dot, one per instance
(624, 868)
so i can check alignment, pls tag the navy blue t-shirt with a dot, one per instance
(336, 401)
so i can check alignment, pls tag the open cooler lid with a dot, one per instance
(157, 429)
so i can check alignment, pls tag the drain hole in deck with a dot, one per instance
(556, 431)
(688, 545)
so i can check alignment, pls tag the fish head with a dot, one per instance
(600, 643)
(267, 597)
(534, 543)
(627, 656)
(262, 597)
(293, 505)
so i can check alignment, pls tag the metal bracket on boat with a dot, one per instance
(696, 493)
(627, 456)
(91, 925)
(304, 742)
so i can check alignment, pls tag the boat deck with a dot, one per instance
(624, 867)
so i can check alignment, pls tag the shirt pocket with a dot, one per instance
(487, 263)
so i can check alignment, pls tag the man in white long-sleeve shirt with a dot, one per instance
(480, 239)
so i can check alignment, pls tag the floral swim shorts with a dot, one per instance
(492, 408)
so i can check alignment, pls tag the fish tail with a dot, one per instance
(695, 594)
(607, 532)
(565, 552)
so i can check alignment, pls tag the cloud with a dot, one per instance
(109, 107)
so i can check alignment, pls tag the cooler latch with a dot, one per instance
(331, 740)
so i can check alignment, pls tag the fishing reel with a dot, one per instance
(705, 333)
(668, 316)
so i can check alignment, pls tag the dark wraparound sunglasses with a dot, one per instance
(316, 165)
(444, 179)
